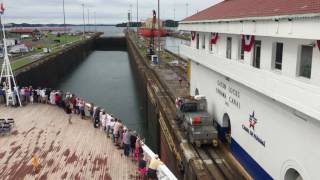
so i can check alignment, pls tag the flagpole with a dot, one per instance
(6, 71)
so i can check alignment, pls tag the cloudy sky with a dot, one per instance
(107, 11)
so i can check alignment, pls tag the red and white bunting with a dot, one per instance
(193, 35)
(1, 8)
(318, 43)
(247, 42)
(214, 38)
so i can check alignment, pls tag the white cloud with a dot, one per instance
(107, 11)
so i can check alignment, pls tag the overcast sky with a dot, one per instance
(107, 11)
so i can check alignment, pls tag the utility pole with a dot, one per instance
(84, 23)
(158, 52)
(64, 18)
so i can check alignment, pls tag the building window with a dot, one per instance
(203, 44)
(229, 47)
(305, 61)
(197, 40)
(256, 54)
(278, 53)
(241, 50)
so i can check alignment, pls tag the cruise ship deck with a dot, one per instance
(66, 151)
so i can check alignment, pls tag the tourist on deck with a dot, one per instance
(81, 108)
(142, 167)
(100, 116)
(138, 149)
(69, 112)
(58, 99)
(77, 105)
(47, 92)
(91, 109)
(126, 142)
(22, 93)
(35, 163)
(103, 120)
(108, 120)
(43, 96)
(96, 118)
(112, 129)
(32, 94)
(153, 166)
(2, 95)
(27, 94)
(52, 97)
(116, 131)
(120, 142)
(112, 122)
(73, 103)
(37, 95)
(133, 139)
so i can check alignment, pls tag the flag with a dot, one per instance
(214, 38)
(1, 8)
(193, 35)
(247, 42)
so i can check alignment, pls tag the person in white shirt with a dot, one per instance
(111, 124)
(103, 120)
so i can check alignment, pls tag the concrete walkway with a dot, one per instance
(66, 151)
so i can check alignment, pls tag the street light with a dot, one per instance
(84, 23)
(88, 20)
(95, 22)
(64, 18)
(137, 15)
(158, 52)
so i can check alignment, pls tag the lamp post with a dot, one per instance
(137, 15)
(95, 22)
(158, 52)
(88, 20)
(84, 23)
(64, 18)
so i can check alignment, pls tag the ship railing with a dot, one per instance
(163, 172)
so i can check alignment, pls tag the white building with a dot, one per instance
(267, 97)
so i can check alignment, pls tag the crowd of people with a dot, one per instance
(121, 136)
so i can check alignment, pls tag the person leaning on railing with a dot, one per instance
(153, 166)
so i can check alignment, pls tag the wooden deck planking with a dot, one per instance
(66, 151)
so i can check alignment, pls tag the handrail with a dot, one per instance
(163, 171)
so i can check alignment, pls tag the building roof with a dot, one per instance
(235, 9)
(21, 30)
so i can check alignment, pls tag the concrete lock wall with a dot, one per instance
(153, 112)
(47, 72)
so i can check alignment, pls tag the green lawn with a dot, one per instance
(19, 63)
(48, 42)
